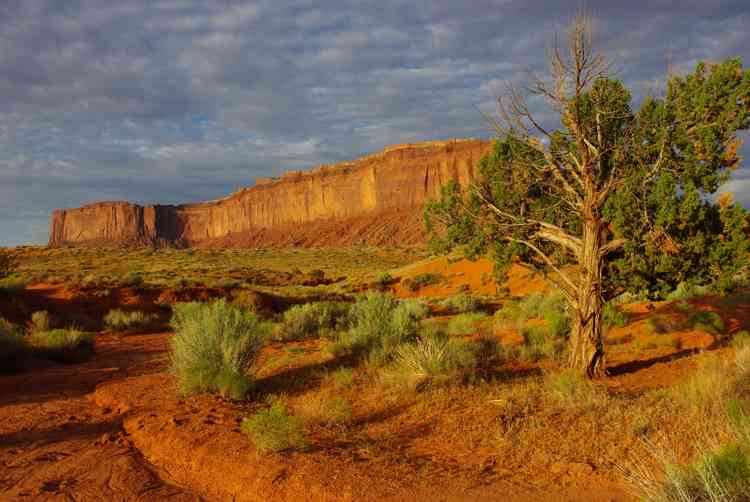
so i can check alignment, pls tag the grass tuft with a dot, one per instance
(120, 321)
(274, 429)
(215, 347)
(63, 345)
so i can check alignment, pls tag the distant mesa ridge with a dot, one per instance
(375, 200)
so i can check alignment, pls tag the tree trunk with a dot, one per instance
(586, 346)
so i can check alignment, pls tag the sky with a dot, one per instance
(186, 100)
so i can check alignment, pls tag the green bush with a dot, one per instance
(384, 280)
(379, 324)
(720, 474)
(274, 429)
(214, 347)
(687, 291)
(571, 388)
(613, 316)
(311, 319)
(422, 280)
(432, 359)
(324, 410)
(466, 324)
(14, 349)
(558, 323)
(41, 321)
(120, 321)
(461, 304)
(63, 345)
(343, 378)
(253, 301)
(710, 322)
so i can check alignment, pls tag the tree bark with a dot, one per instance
(586, 346)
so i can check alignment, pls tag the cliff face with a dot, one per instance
(378, 191)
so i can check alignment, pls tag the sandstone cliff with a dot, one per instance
(374, 200)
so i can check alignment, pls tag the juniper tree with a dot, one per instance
(615, 199)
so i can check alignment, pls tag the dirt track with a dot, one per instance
(82, 432)
(57, 444)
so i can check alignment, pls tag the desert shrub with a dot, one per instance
(274, 429)
(343, 378)
(465, 324)
(558, 323)
(63, 345)
(710, 322)
(508, 314)
(214, 347)
(613, 316)
(384, 280)
(380, 323)
(571, 388)
(539, 342)
(253, 301)
(122, 322)
(325, 410)
(14, 349)
(718, 474)
(536, 305)
(310, 319)
(420, 281)
(41, 321)
(461, 304)
(660, 324)
(432, 359)
(687, 291)
(552, 308)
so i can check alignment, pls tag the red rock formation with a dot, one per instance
(374, 200)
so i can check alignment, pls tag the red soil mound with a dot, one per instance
(462, 275)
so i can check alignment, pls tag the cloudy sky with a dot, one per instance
(186, 100)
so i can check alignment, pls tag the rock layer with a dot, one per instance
(383, 193)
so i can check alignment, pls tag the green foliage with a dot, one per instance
(14, 349)
(215, 347)
(311, 319)
(384, 280)
(710, 322)
(120, 321)
(613, 316)
(466, 324)
(63, 345)
(687, 291)
(380, 323)
(422, 280)
(343, 378)
(572, 389)
(274, 429)
(539, 341)
(461, 304)
(325, 410)
(648, 174)
(41, 321)
(432, 359)
(251, 300)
